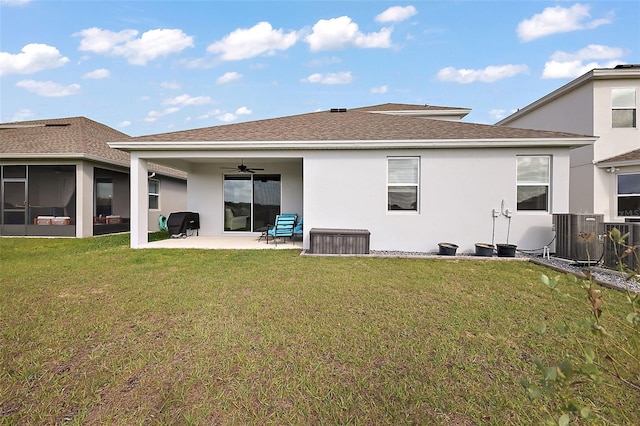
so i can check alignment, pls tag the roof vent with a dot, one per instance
(57, 124)
(627, 66)
(338, 110)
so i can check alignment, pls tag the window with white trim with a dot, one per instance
(629, 195)
(403, 177)
(623, 107)
(533, 182)
(154, 194)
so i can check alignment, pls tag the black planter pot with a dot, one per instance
(506, 250)
(484, 250)
(447, 249)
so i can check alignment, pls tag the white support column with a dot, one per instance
(139, 202)
(84, 200)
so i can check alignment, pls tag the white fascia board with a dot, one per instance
(61, 156)
(607, 164)
(349, 144)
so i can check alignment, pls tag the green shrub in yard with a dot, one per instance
(606, 359)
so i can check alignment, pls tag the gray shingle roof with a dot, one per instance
(358, 124)
(630, 158)
(74, 137)
(405, 107)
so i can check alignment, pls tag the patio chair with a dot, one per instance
(282, 228)
(297, 230)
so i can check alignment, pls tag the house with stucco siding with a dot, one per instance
(411, 175)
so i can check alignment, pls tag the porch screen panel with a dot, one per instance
(14, 203)
(52, 191)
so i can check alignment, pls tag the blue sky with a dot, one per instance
(146, 67)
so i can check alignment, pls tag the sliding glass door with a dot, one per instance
(251, 201)
(266, 200)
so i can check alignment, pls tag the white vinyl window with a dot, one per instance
(534, 179)
(623, 107)
(154, 194)
(629, 195)
(403, 177)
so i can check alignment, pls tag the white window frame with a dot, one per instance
(415, 185)
(634, 108)
(154, 194)
(531, 183)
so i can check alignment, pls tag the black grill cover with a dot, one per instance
(179, 222)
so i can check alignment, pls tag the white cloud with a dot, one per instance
(572, 69)
(138, 51)
(125, 123)
(97, 74)
(329, 78)
(559, 19)
(488, 75)
(49, 88)
(572, 65)
(592, 51)
(187, 100)
(34, 57)
(228, 117)
(228, 77)
(153, 116)
(23, 114)
(396, 14)
(380, 90)
(171, 85)
(342, 32)
(243, 111)
(246, 43)
(499, 114)
(209, 114)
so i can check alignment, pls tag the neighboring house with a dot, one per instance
(605, 176)
(60, 178)
(413, 175)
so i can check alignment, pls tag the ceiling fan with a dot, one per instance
(242, 168)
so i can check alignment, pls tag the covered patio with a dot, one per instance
(226, 242)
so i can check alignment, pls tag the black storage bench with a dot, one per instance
(339, 241)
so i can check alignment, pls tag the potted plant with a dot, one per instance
(484, 249)
(506, 250)
(447, 249)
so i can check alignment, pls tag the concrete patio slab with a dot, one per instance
(229, 242)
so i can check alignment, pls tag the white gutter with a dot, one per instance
(85, 157)
(62, 156)
(347, 144)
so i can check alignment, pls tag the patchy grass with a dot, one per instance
(92, 332)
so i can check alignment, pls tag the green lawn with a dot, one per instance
(92, 332)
